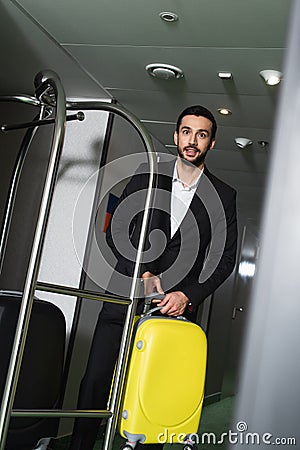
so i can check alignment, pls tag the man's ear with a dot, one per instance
(212, 144)
(175, 138)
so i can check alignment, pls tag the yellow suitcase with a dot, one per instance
(164, 387)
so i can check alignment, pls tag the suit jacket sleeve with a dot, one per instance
(223, 261)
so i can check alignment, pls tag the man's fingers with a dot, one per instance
(164, 310)
(164, 302)
(152, 284)
(173, 304)
(168, 306)
(170, 311)
(157, 285)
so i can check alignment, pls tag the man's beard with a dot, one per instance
(198, 160)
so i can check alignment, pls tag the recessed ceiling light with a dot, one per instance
(271, 77)
(168, 16)
(263, 144)
(224, 111)
(164, 71)
(225, 75)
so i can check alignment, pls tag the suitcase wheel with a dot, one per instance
(189, 447)
(127, 446)
(189, 443)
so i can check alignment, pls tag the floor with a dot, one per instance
(215, 423)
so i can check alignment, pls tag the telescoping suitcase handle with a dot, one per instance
(148, 300)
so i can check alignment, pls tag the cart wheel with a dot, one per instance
(126, 446)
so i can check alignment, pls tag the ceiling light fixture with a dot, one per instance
(168, 16)
(271, 77)
(263, 144)
(225, 75)
(224, 111)
(164, 71)
(243, 142)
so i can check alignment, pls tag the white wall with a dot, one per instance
(61, 259)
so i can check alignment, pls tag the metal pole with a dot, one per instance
(51, 79)
(124, 347)
(91, 295)
(96, 413)
(14, 187)
(18, 126)
(20, 98)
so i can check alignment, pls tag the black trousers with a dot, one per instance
(96, 383)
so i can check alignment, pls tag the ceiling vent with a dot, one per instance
(164, 71)
(168, 16)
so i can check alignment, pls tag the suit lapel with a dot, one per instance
(161, 219)
(197, 196)
(162, 216)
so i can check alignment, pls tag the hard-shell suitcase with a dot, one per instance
(164, 387)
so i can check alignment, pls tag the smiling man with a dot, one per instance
(196, 214)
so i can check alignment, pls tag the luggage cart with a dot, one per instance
(49, 93)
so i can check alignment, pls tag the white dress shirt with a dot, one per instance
(181, 199)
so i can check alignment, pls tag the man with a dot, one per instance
(196, 213)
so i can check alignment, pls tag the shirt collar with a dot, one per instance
(177, 179)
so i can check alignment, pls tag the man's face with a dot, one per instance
(194, 139)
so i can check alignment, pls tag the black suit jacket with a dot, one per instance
(201, 254)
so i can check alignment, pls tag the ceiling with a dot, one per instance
(100, 49)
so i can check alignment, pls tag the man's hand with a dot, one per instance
(151, 283)
(174, 303)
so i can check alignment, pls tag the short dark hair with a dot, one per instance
(198, 110)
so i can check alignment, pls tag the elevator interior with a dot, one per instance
(225, 315)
